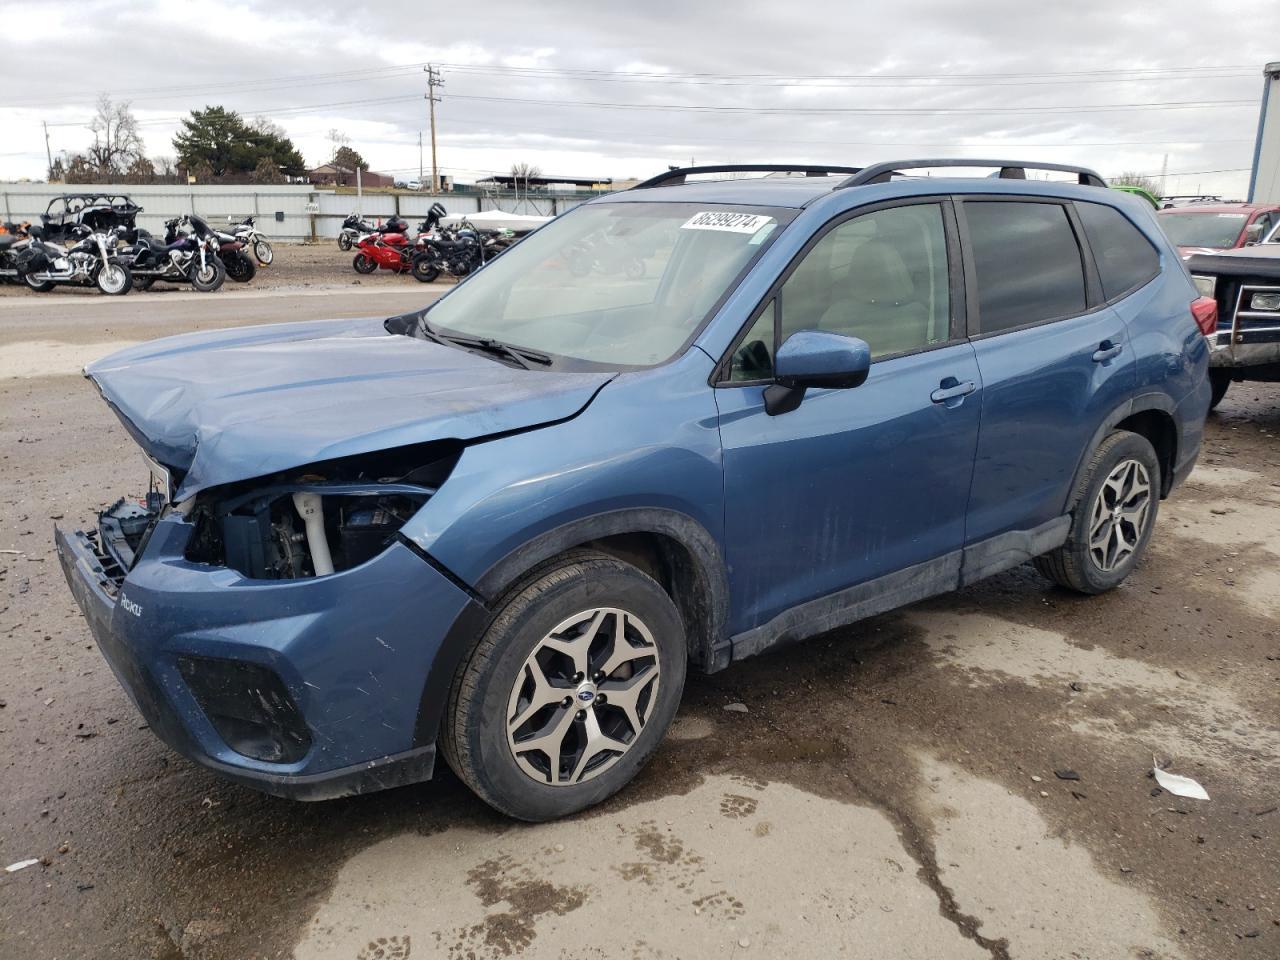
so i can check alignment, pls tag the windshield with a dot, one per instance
(1203, 229)
(619, 284)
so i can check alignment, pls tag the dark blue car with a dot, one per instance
(677, 426)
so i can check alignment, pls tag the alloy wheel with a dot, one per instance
(1119, 515)
(583, 696)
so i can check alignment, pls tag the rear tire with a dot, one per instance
(565, 618)
(144, 283)
(240, 267)
(424, 269)
(1112, 519)
(1219, 381)
(39, 286)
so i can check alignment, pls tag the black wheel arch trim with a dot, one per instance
(1160, 402)
(708, 606)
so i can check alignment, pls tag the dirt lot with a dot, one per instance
(890, 791)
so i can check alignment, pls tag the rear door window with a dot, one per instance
(1027, 263)
(1125, 258)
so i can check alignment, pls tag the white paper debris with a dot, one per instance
(20, 865)
(1178, 785)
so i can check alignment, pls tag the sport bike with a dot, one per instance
(386, 248)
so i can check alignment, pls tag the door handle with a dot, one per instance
(951, 388)
(1107, 351)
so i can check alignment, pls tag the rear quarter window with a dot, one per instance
(1125, 258)
(1026, 261)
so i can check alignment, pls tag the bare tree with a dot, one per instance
(267, 127)
(116, 143)
(523, 173)
(338, 140)
(166, 166)
(140, 171)
(1149, 184)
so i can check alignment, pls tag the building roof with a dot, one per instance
(506, 180)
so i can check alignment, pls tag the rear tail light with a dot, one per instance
(1205, 312)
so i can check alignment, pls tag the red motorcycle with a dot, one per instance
(387, 248)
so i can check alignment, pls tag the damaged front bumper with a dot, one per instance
(308, 688)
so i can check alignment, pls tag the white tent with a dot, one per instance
(497, 220)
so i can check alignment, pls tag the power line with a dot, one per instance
(934, 79)
(870, 111)
(819, 81)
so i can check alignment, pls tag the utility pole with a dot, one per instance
(433, 81)
(1164, 176)
(47, 151)
(419, 157)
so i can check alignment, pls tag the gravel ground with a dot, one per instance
(889, 791)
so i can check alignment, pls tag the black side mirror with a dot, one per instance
(815, 358)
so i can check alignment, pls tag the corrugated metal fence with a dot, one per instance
(284, 212)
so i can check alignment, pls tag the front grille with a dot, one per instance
(1245, 324)
(112, 573)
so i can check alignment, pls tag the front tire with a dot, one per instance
(1219, 381)
(262, 250)
(114, 279)
(344, 242)
(1112, 520)
(569, 691)
(364, 265)
(208, 278)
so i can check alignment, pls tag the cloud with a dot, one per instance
(542, 84)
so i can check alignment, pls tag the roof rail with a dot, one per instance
(1009, 170)
(679, 174)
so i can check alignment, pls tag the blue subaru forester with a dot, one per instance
(679, 425)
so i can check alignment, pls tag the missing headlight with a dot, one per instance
(320, 519)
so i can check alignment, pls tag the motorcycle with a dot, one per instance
(253, 239)
(90, 261)
(13, 240)
(353, 228)
(182, 257)
(239, 265)
(458, 251)
(387, 248)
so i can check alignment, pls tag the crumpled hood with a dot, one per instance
(236, 404)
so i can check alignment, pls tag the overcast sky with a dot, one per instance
(622, 89)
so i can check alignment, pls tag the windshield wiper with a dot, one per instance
(518, 355)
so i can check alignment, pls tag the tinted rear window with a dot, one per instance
(1027, 262)
(1125, 258)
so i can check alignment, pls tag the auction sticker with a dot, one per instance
(726, 220)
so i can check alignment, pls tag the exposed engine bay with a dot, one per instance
(323, 519)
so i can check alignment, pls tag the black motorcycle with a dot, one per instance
(91, 260)
(239, 265)
(188, 254)
(458, 251)
(13, 240)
